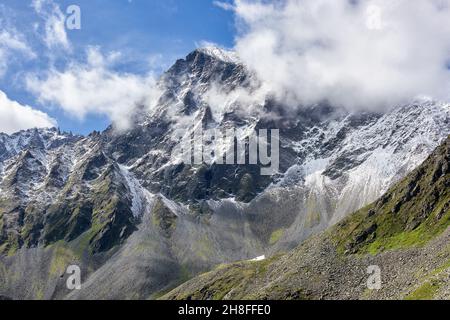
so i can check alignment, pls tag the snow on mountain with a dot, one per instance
(137, 193)
(11, 145)
(373, 157)
(221, 54)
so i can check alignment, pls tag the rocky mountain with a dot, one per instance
(139, 221)
(405, 234)
(46, 139)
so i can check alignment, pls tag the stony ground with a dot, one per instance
(317, 271)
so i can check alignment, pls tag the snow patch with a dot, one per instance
(260, 258)
(220, 54)
(138, 195)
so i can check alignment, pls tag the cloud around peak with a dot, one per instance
(357, 54)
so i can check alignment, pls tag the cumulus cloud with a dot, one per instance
(54, 29)
(95, 88)
(352, 53)
(15, 117)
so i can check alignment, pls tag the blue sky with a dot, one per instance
(149, 35)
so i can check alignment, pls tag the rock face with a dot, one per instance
(404, 235)
(139, 221)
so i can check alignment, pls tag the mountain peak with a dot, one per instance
(218, 53)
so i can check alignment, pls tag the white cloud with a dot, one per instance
(15, 117)
(15, 41)
(94, 88)
(354, 53)
(11, 43)
(54, 28)
(224, 5)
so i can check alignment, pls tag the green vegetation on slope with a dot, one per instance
(227, 279)
(276, 236)
(101, 215)
(411, 213)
